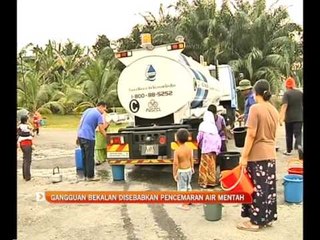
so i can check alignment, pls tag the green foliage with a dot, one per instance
(99, 81)
(258, 42)
(64, 78)
(102, 43)
(72, 122)
(62, 121)
(276, 101)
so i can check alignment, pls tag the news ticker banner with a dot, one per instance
(148, 197)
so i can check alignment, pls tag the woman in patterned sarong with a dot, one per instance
(210, 143)
(259, 158)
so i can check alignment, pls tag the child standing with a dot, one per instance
(25, 143)
(36, 122)
(183, 164)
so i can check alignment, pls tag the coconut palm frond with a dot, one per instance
(82, 106)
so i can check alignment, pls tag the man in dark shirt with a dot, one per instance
(292, 114)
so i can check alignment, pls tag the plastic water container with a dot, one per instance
(228, 160)
(117, 172)
(212, 212)
(78, 158)
(293, 188)
(236, 180)
(296, 170)
(239, 134)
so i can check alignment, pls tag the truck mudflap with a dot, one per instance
(118, 150)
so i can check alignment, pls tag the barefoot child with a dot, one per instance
(183, 165)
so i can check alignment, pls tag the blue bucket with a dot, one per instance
(293, 188)
(78, 158)
(117, 172)
(42, 122)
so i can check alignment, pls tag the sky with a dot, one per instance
(81, 21)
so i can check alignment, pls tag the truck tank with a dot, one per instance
(163, 90)
(164, 86)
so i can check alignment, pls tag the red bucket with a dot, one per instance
(230, 181)
(295, 170)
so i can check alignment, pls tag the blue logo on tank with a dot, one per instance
(150, 73)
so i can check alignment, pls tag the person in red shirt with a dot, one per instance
(36, 122)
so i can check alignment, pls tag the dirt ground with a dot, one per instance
(43, 220)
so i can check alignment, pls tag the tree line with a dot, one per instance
(258, 42)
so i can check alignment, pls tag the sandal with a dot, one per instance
(269, 224)
(213, 185)
(196, 204)
(248, 226)
(183, 208)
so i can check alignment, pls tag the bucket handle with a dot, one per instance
(236, 184)
(54, 172)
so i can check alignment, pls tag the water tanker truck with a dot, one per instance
(163, 90)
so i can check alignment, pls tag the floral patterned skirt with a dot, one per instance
(264, 206)
(207, 170)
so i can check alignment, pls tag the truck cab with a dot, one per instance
(229, 100)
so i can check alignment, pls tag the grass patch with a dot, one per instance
(61, 121)
(71, 122)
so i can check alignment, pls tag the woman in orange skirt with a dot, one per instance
(209, 141)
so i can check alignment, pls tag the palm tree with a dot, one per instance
(35, 96)
(272, 51)
(162, 29)
(197, 23)
(55, 68)
(98, 83)
(205, 29)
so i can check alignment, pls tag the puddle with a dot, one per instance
(104, 174)
(158, 175)
(154, 175)
(151, 175)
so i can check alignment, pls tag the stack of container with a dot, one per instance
(293, 182)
